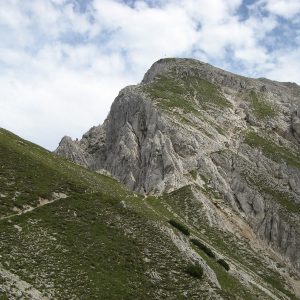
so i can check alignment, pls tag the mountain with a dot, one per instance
(234, 140)
(209, 208)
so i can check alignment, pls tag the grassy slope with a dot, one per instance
(185, 96)
(260, 107)
(273, 151)
(102, 241)
(28, 172)
(187, 208)
(88, 245)
(279, 154)
(186, 93)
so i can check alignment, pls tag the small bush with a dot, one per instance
(224, 264)
(180, 227)
(194, 270)
(194, 174)
(203, 247)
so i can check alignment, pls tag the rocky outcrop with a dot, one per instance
(188, 122)
(72, 151)
(296, 124)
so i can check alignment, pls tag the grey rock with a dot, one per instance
(296, 124)
(72, 151)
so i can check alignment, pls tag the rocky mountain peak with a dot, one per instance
(164, 65)
(234, 139)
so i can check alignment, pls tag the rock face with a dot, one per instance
(234, 138)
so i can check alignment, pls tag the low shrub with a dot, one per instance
(224, 264)
(203, 247)
(194, 174)
(194, 270)
(180, 227)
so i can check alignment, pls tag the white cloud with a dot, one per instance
(285, 66)
(65, 102)
(283, 8)
(60, 68)
(211, 11)
(145, 33)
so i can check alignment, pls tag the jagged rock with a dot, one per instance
(240, 135)
(71, 150)
(296, 124)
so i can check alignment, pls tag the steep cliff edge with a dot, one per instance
(235, 140)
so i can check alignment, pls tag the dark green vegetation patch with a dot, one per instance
(195, 270)
(224, 264)
(194, 174)
(203, 247)
(180, 227)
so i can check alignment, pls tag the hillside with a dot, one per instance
(70, 233)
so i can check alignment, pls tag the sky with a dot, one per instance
(62, 62)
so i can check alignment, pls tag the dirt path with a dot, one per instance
(42, 202)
